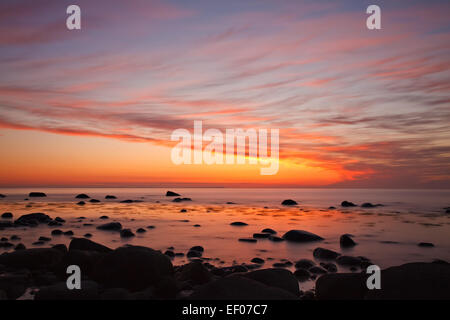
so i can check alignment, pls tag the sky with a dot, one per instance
(97, 106)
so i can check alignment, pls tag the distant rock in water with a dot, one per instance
(82, 196)
(289, 202)
(126, 201)
(2, 196)
(110, 197)
(268, 230)
(183, 210)
(172, 194)
(426, 244)
(347, 204)
(248, 240)
(126, 233)
(346, 241)
(257, 260)
(181, 199)
(261, 235)
(94, 201)
(325, 254)
(104, 217)
(275, 238)
(301, 236)
(114, 226)
(141, 230)
(7, 215)
(37, 194)
(87, 245)
(238, 223)
(81, 203)
(370, 205)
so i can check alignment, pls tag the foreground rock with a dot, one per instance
(411, 281)
(134, 268)
(32, 258)
(236, 287)
(301, 236)
(276, 277)
(87, 245)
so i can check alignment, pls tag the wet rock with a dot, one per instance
(104, 217)
(341, 286)
(94, 201)
(38, 243)
(304, 264)
(59, 291)
(236, 287)
(37, 194)
(14, 237)
(325, 254)
(413, 281)
(150, 227)
(331, 208)
(87, 245)
(172, 194)
(31, 258)
(2, 196)
(45, 239)
(276, 277)
(126, 233)
(195, 272)
(280, 265)
(197, 248)
(330, 267)
(347, 204)
(181, 199)
(238, 223)
(275, 239)
(289, 202)
(261, 235)
(109, 197)
(4, 239)
(368, 205)
(82, 196)
(194, 253)
(317, 270)
(302, 275)
(346, 241)
(197, 225)
(425, 244)
(111, 226)
(183, 210)
(252, 240)
(268, 230)
(68, 233)
(87, 235)
(54, 224)
(127, 201)
(301, 236)
(6, 244)
(81, 203)
(7, 215)
(60, 220)
(32, 219)
(348, 261)
(257, 260)
(15, 283)
(141, 230)
(132, 267)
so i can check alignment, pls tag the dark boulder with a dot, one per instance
(7, 215)
(172, 194)
(301, 236)
(269, 231)
(32, 219)
(126, 233)
(289, 202)
(141, 230)
(87, 245)
(325, 254)
(302, 275)
(425, 244)
(112, 226)
(195, 272)
(31, 258)
(317, 270)
(368, 205)
(82, 196)
(110, 197)
(252, 240)
(238, 223)
(349, 261)
(347, 204)
(261, 235)
(304, 264)
(2, 196)
(257, 260)
(132, 267)
(276, 277)
(341, 286)
(346, 241)
(37, 194)
(60, 220)
(81, 203)
(94, 201)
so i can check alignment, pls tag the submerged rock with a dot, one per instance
(289, 202)
(81, 203)
(141, 230)
(347, 204)
(172, 194)
(301, 236)
(346, 241)
(37, 194)
(113, 226)
(82, 196)
(247, 240)
(261, 235)
(257, 260)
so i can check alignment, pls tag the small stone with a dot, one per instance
(247, 240)
(268, 230)
(289, 202)
(346, 241)
(257, 260)
(141, 230)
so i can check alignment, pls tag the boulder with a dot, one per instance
(87, 245)
(37, 194)
(304, 264)
(276, 277)
(32, 219)
(132, 267)
(301, 236)
(341, 286)
(302, 275)
(269, 231)
(172, 194)
(112, 226)
(181, 199)
(110, 197)
(82, 196)
(7, 215)
(347, 204)
(325, 254)
(346, 241)
(289, 202)
(194, 272)
(32, 258)
(238, 223)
